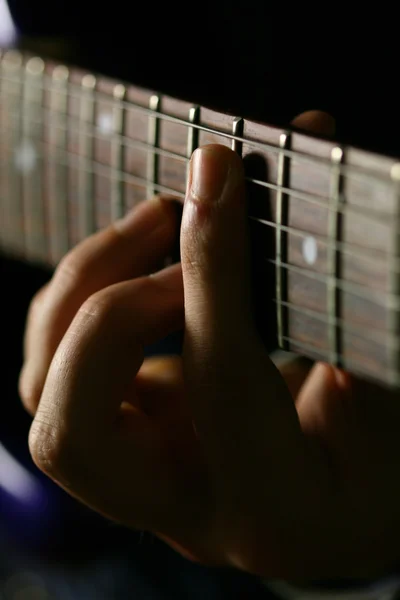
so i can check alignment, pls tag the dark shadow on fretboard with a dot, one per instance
(262, 247)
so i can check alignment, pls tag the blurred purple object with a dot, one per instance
(8, 33)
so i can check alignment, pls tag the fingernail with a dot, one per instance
(209, 170)
(147, 216)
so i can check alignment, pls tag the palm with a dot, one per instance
(356, 434)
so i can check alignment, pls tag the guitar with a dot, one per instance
(78, 150)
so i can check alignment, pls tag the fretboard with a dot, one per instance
(78, 151)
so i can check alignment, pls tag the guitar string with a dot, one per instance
(377, 336)
(385, 375)
(353, 206)
(175, 192)
(390, 340)
(355, 171)
(347, 208)
(272, 148)
(389, 301)
(355, 289)
(349, 248)
(129, 143)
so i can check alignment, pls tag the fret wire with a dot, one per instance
(355, 366)
(281, 242)
(350, 249)
(153, 142)
(356, 172)
(118, 154)
(12, 63)
(333, 256)
(59, 187)
(32, 175)
(193, 135)
(394, 316)
(305, 196)
(237, 132)
(86, 151)
(359, 331)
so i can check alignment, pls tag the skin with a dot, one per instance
(286, 471)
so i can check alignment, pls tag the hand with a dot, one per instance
(213, 451)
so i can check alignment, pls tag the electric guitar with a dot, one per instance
(78, 149)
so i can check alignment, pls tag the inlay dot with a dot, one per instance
(25, 157)
(105, 123)
(310, 250)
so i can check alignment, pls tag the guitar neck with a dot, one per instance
(77, 151)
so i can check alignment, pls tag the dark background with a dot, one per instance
(255, 58)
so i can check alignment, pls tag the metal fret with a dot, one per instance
(117, 153)
(394, 277)
(58, 201)
(281, 274)
(333, 258)
(153, 140)
(32, 163)
(237, 131)
(193, 134)
(11, 92)
(87, 223)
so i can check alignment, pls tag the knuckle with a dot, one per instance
(104, 307)
(71, 270)
(49, 449)
(100, 307)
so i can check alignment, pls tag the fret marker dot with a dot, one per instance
(105, 123)
(310, 250)
(25, 157)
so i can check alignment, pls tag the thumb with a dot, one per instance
(243, 412)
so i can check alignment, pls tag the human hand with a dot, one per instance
(211, 452)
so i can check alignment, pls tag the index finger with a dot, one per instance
(103, 349)
(80, 437)
(126, 249)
